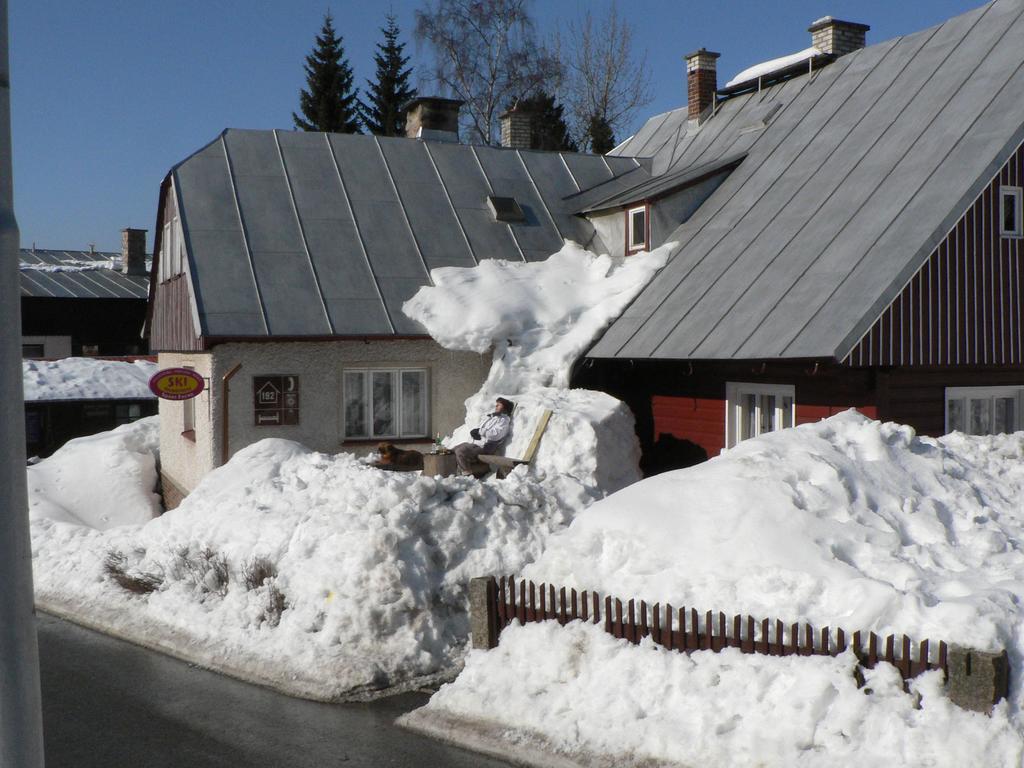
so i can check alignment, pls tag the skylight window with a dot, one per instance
(506, 209)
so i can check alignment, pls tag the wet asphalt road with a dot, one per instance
(111, 704)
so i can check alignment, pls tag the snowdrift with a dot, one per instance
(847, 522)
(100, 481)
(316, 574)
(538, 318)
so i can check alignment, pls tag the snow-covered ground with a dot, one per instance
(86, 378)
(320, 574)
(848, 522)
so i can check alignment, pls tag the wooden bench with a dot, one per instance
(502, 465)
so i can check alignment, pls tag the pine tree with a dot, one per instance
(328, 103)
(383, 112)
(602, 140)
(547, 124)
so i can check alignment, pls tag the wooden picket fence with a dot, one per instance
(686, 630)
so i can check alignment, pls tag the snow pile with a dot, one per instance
(99, 481)
(603, 701)
(848, 522)
(775, 65)
(538, 318)
(86, 378)
(310, 572)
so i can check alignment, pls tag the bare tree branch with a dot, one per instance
(605, 78)
(485, 53)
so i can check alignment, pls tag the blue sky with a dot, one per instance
(108, 95)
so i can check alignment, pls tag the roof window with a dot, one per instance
(505, 209)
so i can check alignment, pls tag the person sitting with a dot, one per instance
(488, 437)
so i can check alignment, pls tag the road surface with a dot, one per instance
(111, 704)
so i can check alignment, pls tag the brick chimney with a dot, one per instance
(133, 252)
(837, 37)
(431, 117)
(701, 82)
(516, 128)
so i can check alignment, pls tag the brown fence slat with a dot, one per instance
(507, 604)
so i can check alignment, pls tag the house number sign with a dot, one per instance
(176, 384)
(275, 400)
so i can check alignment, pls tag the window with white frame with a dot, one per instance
(1011, 211)
(188, 413)
(636, 228)
(390, 402)
(754, 409)
(985, 410)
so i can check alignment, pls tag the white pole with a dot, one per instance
(21, 722)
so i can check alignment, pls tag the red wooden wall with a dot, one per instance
(965, 306)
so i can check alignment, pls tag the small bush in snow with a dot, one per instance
(115, 565)
(257, 571)
(206, 569)
(275, 604)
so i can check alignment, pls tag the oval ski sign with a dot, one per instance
(176, 384)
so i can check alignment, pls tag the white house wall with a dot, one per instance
(453, 377)
(611, 232)
(184, 461)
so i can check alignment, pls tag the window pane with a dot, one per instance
(980, 416)
(787, 412)
(383, 383)
(955, 415)
(767, 414)
(355, 404)
(1009, 213)
(749, 419)
(638, 228)
(414, 401)
(1005, 416)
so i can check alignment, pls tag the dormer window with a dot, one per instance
(637, 229)
(1011, 212)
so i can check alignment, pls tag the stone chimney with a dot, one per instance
(431, 117)
(701, 82)
(517, 127)
(837, 37)
(133, 252)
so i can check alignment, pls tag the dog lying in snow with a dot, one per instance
(392, 455)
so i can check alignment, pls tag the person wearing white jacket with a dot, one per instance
(488, 437)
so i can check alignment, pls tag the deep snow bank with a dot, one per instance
(539, 317)
(99, 481)
(315, 573)
(582, 693)
(86, 378)
(848, 522)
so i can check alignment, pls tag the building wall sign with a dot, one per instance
(176, 384)
(275, 400)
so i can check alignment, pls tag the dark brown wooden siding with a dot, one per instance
(170, 326)
(965, 306)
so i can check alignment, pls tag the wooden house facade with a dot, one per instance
(866, 252)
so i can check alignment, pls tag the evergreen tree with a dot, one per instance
(328, 103)
(382, 111)
(602, 140)
(547, 124)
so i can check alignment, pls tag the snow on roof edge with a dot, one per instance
(774, 65)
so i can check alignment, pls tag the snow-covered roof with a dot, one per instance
(766, 68)
(86, 378)
(78, 275)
